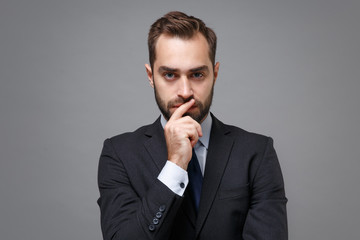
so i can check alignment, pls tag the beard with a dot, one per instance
(203, 107)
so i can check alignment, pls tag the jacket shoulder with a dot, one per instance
(248, 134)
(240, 133)
(139, 135)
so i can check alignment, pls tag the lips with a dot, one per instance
(176, 103)
(179, 104)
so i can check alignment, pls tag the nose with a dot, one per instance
(185, 91)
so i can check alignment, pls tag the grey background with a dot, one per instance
(72, 73)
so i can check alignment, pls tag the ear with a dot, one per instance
(216, 71)
(149, 74)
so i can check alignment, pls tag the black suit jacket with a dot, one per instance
(242, 195)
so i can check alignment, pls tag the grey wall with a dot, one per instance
(72, 73)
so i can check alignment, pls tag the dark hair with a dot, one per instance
(180, 25)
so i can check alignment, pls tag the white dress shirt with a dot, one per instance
(176, 178)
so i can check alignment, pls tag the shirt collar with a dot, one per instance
(205, 127)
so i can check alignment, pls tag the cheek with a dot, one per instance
(164, 92)
(203, 91)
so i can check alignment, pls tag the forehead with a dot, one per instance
(177, 52)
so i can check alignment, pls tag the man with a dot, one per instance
(188, 175)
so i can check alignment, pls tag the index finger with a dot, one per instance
(181, 110)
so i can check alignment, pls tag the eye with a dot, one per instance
(198, 75)
(169, 76)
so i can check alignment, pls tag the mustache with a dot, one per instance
(179, 101)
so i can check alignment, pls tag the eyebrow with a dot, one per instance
(201, 68)
(169, 69)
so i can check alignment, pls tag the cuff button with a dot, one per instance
(162, 208)
(151, 227)
(158, 215)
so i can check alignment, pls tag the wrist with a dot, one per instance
(179, 162)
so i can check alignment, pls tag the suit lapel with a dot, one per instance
(156, 145)
(220, 146)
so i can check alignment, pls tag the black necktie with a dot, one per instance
(195, 179)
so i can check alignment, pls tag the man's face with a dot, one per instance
(182, 71)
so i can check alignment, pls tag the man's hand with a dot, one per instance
(181, 134)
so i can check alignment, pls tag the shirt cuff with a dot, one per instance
(174, 177)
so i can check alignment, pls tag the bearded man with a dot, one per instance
(189, 176)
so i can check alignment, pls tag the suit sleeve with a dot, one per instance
(267, 218)
(126, 215)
